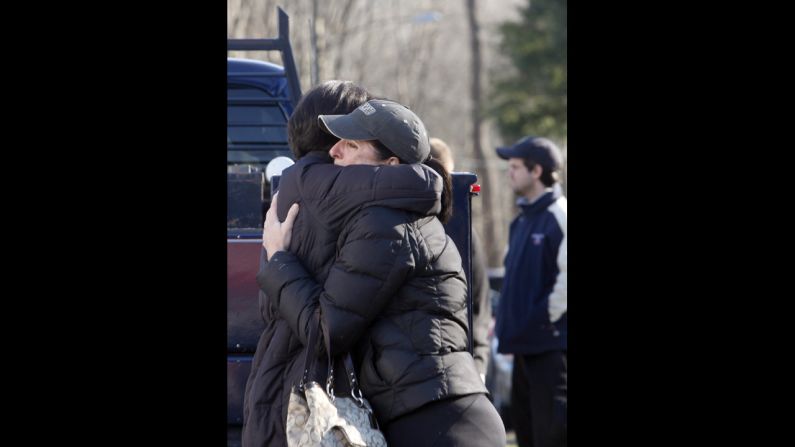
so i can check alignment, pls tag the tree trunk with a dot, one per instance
(490, 224)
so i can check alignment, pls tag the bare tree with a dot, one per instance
(341, 31)
(313, 40)
(491, 226)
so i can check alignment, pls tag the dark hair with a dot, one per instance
(548, 177)
(447, 189)
(304, 134)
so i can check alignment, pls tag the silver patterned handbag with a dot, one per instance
(315, 417)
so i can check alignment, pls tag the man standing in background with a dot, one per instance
(532, 313)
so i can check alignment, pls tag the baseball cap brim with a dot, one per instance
(509, 152)
(346, 127)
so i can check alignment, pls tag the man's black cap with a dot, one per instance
(537, 149)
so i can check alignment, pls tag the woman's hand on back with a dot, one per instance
(276, 236)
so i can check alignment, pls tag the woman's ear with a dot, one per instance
(392, 161)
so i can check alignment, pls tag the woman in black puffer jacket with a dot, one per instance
(395, 294)
(332, 192)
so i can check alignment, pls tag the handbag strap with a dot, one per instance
(311, 346)
(356, 392)
(347, 361)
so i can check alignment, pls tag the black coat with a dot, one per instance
(327, 196)
(393, 291)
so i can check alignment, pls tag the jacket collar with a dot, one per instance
(539, 204)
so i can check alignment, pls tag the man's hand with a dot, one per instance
(276, 236)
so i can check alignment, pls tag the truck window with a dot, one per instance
(244, 200)
(256, 133)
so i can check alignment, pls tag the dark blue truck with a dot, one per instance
(260, 98)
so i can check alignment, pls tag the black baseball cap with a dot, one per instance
(538, 149)
(393, 124)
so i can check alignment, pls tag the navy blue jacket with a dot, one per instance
(532, 316)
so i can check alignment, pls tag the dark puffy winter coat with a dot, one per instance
(327, 195)
(394, 293)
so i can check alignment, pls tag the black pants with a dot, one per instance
(463, 421)
(538, 399)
